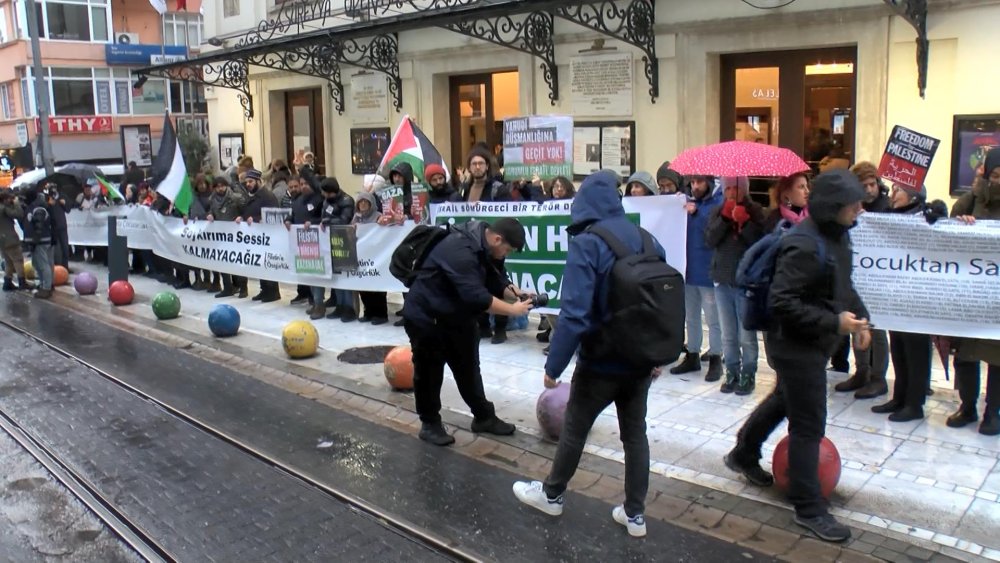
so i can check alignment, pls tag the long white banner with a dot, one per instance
(941, 279)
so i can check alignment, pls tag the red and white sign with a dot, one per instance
(65, 125)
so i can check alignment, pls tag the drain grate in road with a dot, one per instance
(365, 355)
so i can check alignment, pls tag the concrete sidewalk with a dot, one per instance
(936, 485)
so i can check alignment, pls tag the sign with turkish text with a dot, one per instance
(307, 249)
(539, 145)
(344, 248)
(68, 124)
(136, 54)
(907, 157)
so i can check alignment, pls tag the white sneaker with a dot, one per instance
(532, 494)
(636, 525)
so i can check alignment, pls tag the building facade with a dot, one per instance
(816, 76)
(90, 50)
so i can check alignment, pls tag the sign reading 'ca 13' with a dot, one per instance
(64, 125)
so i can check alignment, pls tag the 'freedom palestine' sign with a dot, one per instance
(538, 144)
(907, 157)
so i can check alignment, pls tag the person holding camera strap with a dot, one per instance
(461, 277)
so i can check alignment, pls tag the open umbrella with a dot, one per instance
(28, 178)
(738, 158)
(82, 172)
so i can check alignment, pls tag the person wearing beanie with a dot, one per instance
(258, 197)
(669, 181)
(602, 375)
(461, 277)
(733, 227)
(911, 352)
(981, 202)
(437, 181)
(337, 209)
(812, 304)
(641, 184)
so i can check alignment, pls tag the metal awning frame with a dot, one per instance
(372, 44)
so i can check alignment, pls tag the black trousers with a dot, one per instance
(458, 347)
(499, 322)
(967, 380)
(840, 356)
(911, 360)
(875, 359)
(800, 396)
(589, 395)
(60, 239)
(269, 288)
(376, 306)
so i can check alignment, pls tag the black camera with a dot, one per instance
(539, 300)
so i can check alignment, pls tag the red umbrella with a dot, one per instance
(738, 158)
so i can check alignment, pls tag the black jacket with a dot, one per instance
(338, 210)
(881, 203)
(306, 207)
(807, 296)
(314, 180)
(457, 282)
(134, 177)
(730, 243)
(39, 222)
(493, 191)
(258, 200)
(406, 171)
(444, 195)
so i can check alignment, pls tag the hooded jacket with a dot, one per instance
(585, 283)
(457, 281)
(38, 219)
(10, 215)
(337, 210)
(406, 171)
(644, 178)
(807, 296)
(371, 216)
(699, 253)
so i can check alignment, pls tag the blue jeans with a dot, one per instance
(696, 299)
(739, 346)
(42, 257)
(345, 297)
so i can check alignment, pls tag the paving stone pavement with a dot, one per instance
(920, 482)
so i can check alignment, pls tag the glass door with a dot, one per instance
(303, 126)
(472, 115)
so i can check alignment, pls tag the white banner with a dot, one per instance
(940, 279)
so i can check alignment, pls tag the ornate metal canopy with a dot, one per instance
(915, 12)
(314, 37)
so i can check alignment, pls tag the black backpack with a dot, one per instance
(646, 301)
(409, 256)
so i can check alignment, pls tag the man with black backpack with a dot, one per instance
(811, 304)
(455, 277)
(623, 307)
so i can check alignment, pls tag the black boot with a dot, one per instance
(8, 284)
(876, 388)
(434, 432)
(689, 364)
(22, 283)
(964, 416)
(729, 385)
(714, 368)
(746, 384)
(499, 336)
(990, 425)
(855, 382)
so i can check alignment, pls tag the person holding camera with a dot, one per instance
(40, 227)
(458, 280)
(11, 212)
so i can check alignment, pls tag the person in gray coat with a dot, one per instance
(227, 205)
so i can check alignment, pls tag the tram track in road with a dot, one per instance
(141, 540)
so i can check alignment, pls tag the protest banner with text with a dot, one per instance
(538, 144)
(908, 156)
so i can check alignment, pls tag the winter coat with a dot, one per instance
(982, 203)
(699, 254)
(646, 180)
(881, 204)
(306, 207)
(280, 190)
(444, 194)
(228, 207)
(729, 242)
(200, 205)
(338, 210)
(585, 284)
(257, 202)
(10, 214)
(373, 215)
(134, 176)
(40, 226)
(494, 190)
(807, 296)
(406, 171)
(457, 281)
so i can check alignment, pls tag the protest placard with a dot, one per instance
(538, 144)
(907, 157)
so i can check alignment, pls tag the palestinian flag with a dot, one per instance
(169, 173)
(409, 144)
(108, 189)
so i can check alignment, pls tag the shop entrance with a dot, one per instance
(801, 100)
(304, 125)
(479, 103)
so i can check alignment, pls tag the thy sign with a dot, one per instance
(65, 125)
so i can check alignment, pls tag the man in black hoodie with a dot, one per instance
(812, 303)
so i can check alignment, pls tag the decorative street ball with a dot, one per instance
(399, 368)
(166, 305)
(85, 283)
(300, 339)
(121, 293)
(829, 466)
(550, 409)
(29, 270)
(60, 275)
(224, 320)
